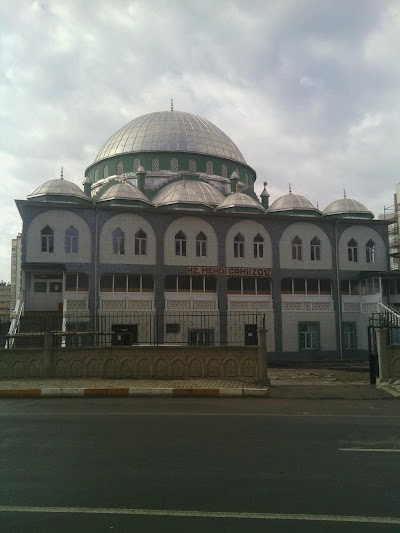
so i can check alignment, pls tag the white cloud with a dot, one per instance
(307, 90)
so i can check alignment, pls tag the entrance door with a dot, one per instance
(124, 334)
(250, 334)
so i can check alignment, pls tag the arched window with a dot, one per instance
(315, 249)
(120, 168)
(296, 249)
(258, 247)
(136, 165)
(118, 237)
(96, 175)
(201, 245)
(105, 172)
(140, 242)
(155, 164)
(47, 237)
(352, 253)
(370, 251)
(71, 240)
(192, 165)
(180, 243)
(224, 171)
(174, 165)
(238, 246)
(209, 168)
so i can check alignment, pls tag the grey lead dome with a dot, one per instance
(174, 131)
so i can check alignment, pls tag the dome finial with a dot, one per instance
(265, 184)
(62, 173)
(172, 104)
(290, 189)
(344, 193)
(317, 206)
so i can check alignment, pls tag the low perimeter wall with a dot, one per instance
(141, 362)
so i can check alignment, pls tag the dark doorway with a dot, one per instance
(124, 334)
(250, 334)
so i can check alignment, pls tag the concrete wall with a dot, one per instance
(162, 362)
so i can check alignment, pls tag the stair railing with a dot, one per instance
(15, 321)
(391, 315)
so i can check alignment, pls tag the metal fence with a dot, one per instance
(131, 328)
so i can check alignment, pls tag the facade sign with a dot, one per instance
(229, 271)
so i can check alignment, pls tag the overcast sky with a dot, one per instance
(307, 89)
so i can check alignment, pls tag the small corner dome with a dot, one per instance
(293, 204)
(122, 191)
(59, 190)
(194, 192)
(240, 202)
(347, 208)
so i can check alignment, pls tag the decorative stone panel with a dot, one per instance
(140, 305)
(127, 369)
(231, 369)
(161, 368)
(110, 369)
(143, 368)
(204, 305)
(93, 368)
(351, 307)
(77, 369)
(60, 369)
(304, 307)
(35, 369)
(175, 305)
(177, 369)
(249, 369)
(195, 368)
(213, 368)
(369, 308)
(76, 305)
(113, 305)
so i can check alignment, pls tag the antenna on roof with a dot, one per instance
(62, 173)
(290, 188)
(172, 104)
(344, 192)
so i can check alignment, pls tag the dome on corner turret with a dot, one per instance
(293, 204)
(347, 208)
(59, 190)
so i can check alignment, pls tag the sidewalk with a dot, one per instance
(322, 383)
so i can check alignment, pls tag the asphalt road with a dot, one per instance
(150, 465)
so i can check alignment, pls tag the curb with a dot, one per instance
(391, 390)
(133, 392)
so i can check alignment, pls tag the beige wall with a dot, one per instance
(59, 221)
(129, 223)
(362, 234)
(290, 336)
(191, 227)
(306, 232)
(249, 229)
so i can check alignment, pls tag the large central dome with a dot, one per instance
(173, 131)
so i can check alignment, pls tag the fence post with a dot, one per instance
(383, 360)
(262, 356)
(48, 354)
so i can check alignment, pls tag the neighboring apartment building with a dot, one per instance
(5, 298)
(16, 256)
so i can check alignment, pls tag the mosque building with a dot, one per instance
(168, 225)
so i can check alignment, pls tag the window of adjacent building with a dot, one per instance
(296, 249)
(370, 251)
(258, 247)
(126, 283)
(253, 286)
(192, 165)
(352, 253)
(155, 164)
(76, 282)
(315, 249)
(47, 238)
(309, 336)
(349, 336)
(310, 287)
(201, 245)
(71, 240)
(192, 284)
(224, 171)
(174, 165)
(140, 242)
(350, 287)
(238, 246)
(120, 168)
(105, 172)
(180, 244)
(118, 237)
(209, 168)
(136, 165)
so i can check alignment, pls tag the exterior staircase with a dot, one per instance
(33, 324)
